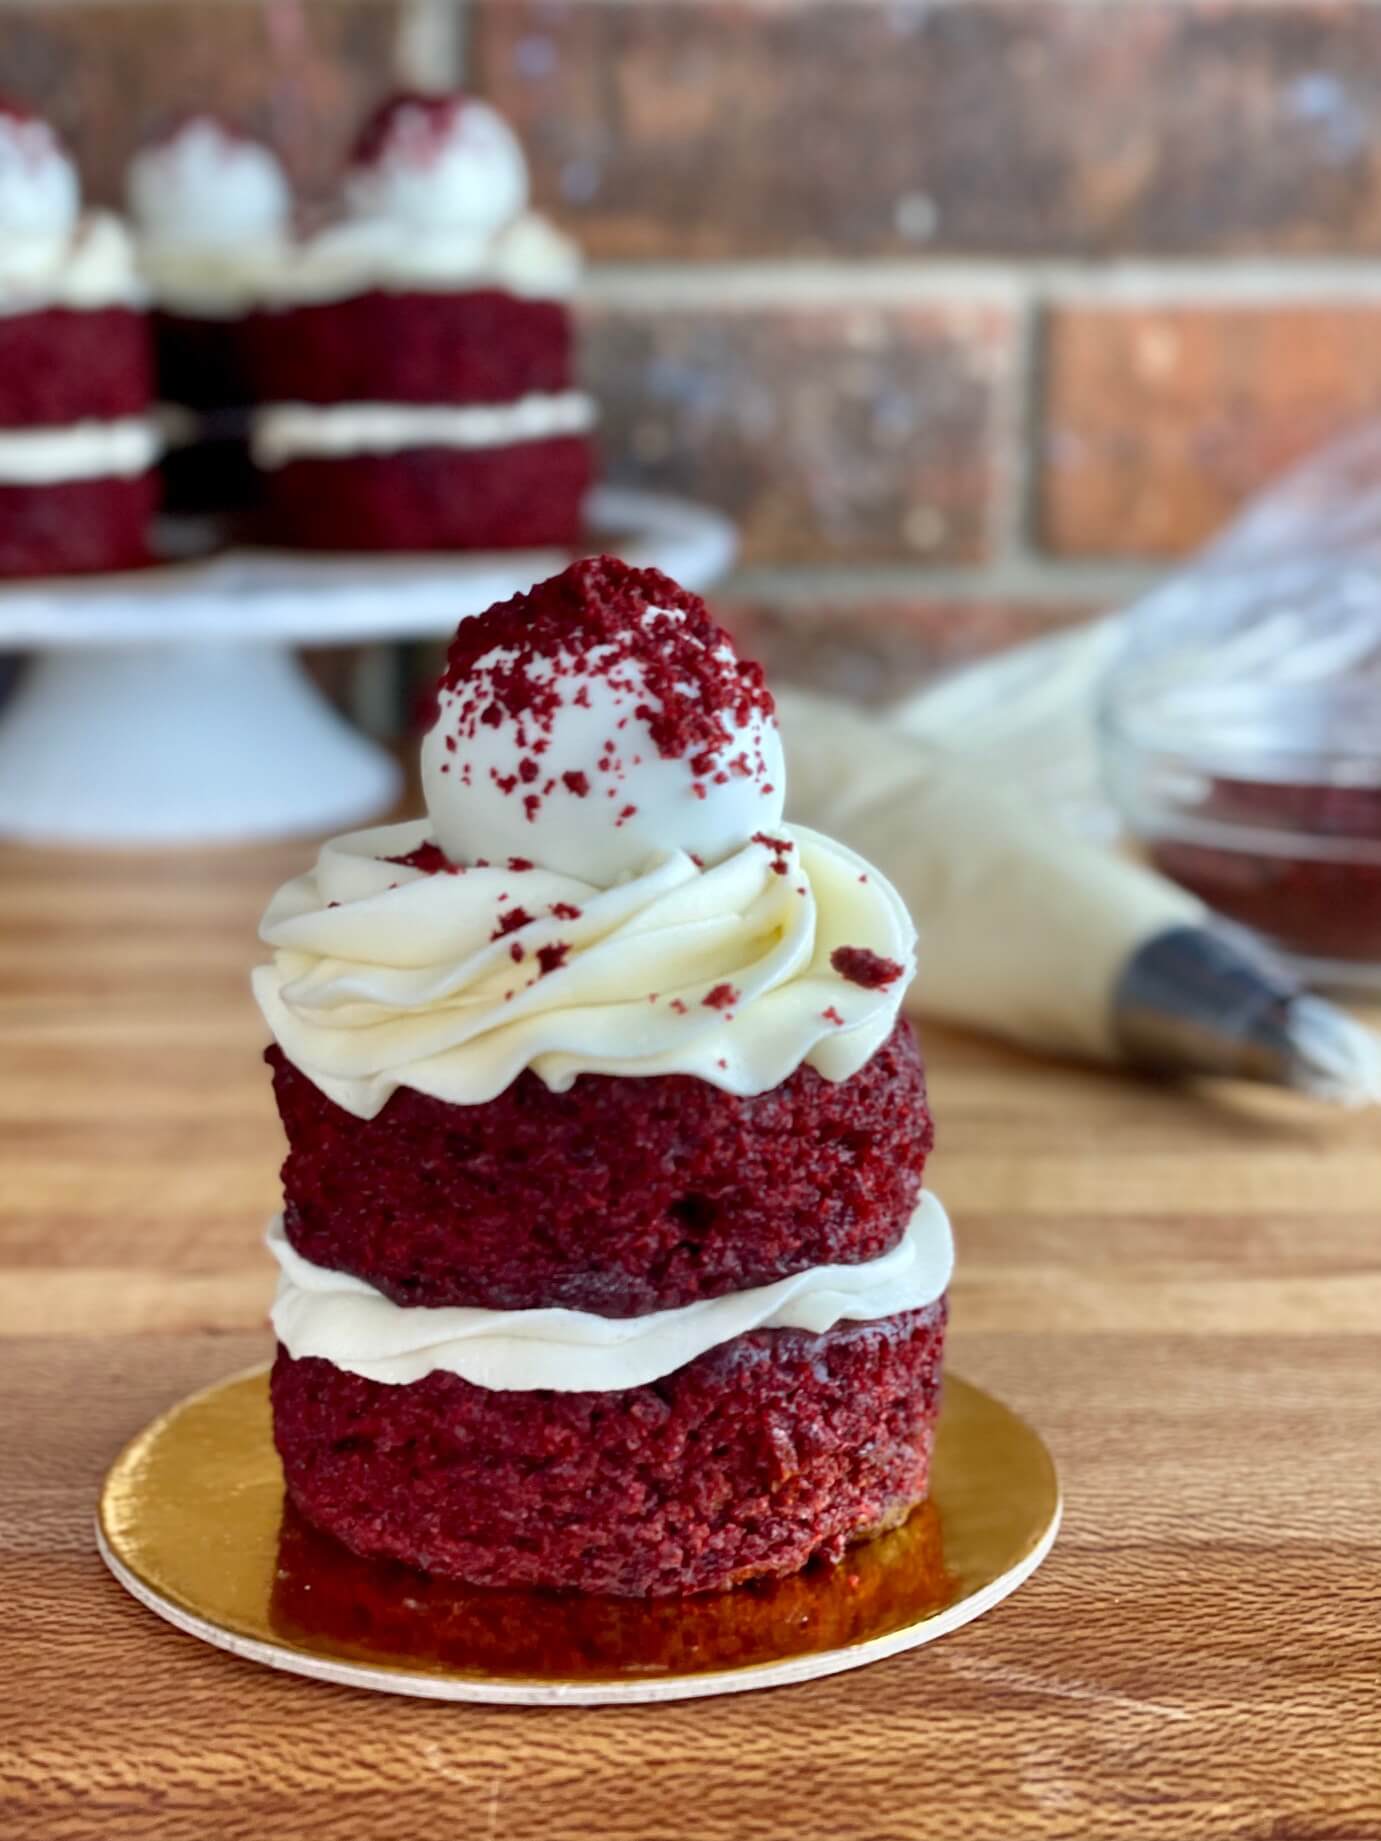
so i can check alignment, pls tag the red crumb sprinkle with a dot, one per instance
(516, 953)
(430, 859)
(333, 904)
(629, 811)
(511, 922)
(519, 864)
(409, 123)
(860, 966)
(699, 862)
(532, 805)
(863, 878)
(721, 1063)
(781, 848)
(577, 783)
(722, 997)
(550, 957)
(832, 1016)
(678, 1006)
(596, 619)
(565, 910)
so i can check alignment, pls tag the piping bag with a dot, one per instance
(1035, 934)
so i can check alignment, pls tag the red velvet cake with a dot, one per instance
(413, 363)
(213, 212)
(78, 441)
(605, 1260)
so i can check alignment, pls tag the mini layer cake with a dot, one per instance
(213, 212)
(78, 442)
(606, 1262)
(415, 372)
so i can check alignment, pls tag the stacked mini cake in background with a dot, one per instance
(413, 363)
(400, 378)
(605, 1259)
(78, 439)
(214, 216)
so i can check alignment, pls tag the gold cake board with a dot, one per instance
(193, 1523)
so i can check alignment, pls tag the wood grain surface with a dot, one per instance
(1182, 1289)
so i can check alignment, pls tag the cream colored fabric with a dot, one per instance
(1024, 927)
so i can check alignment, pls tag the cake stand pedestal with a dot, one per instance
(168, 706)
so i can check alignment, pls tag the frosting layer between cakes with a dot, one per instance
(84, 450)
(341, 1319)
(287, 430)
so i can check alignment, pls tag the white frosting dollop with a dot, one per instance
(206, 188)
(343, 1320)
(285, 431)
(88, 268)
(449, 164)
(384, 976)
(214, 213)
(40, 194)
(50, 255)
(527, 258)
(586, 790)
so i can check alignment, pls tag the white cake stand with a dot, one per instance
(167, 706)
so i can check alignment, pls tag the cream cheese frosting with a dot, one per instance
(80, 450)
(341, 1319)
(438, 163)
(50, 254)
(289, 431)
(384, 976)
(214, 213)
(88, 267)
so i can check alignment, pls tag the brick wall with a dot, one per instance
(972, 313)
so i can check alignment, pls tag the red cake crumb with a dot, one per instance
(430, 859)
(565, 910)
(511, 922)
(525, 496)
(832, 1016)
(751, 1459)
(593, 618)
(781, 848)
(722, 997)
(552, 957)
(618, 1196)
(869, 969)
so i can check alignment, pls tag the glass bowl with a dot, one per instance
(1240, 739)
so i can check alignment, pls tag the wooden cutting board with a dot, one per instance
(1182, 1290)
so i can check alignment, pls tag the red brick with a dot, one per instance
(300, 75)
(711, 128)
(876, 651)
(829, 432)
(1160, 421)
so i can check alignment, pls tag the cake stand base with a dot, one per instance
(89, 734)
(194, 1524)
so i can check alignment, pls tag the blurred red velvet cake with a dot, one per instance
(414, 369)
(78, 441)
(605, 1258)
(213, 215)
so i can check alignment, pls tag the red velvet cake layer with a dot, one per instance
(749, 1460)
(484, 346)
(65, 365)
(526, 496)
(619, 1196)
(76, 526)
